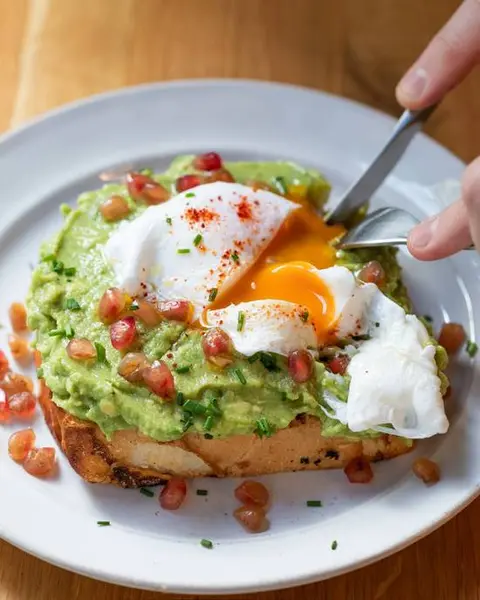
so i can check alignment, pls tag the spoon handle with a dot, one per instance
(361, 191)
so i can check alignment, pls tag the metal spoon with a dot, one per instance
(366, 185)
(384, 227)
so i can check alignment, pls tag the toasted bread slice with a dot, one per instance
(131, 459)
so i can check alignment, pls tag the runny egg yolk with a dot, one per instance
(286, 270)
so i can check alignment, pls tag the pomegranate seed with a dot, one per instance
(338, 364)
(4, 408)
(173, 494)
(123, 333)
(300, 365)
(18, 317)
(20, 443)
(159, 380)
(372, 272)
(114, 208)
(111, 305)
(210, 161)
(40, 462)
(14, 383)
(220, 175)
(37, 359)
(147, 312)
(187, 182)
(4, 366)
(145, 189)
(176, 310)
(252, 492)
(132, 366)
(20, 349)
(452, 337)
(252, 518)
(81, 349)
(22, 405)
(427, 470)
(217, 347)
(358, 470)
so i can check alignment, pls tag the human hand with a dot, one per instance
(449, 57)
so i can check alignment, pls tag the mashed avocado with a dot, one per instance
(66, 288)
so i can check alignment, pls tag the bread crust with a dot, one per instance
(131, 460)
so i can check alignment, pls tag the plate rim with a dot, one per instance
(70, 107)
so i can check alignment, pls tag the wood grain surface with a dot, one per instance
(55, 51)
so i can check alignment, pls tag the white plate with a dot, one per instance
(60, 155)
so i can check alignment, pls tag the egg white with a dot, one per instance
(267, 326)
(157, 248)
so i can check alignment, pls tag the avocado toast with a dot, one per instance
(179, 411)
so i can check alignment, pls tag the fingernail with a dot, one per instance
(421, 235)
(414, 83)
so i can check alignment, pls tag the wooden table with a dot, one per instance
(54, 51)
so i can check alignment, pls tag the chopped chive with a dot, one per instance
(183, 369)
(304, 316)
(103, 523)
(69, 332)
(234, 256)
(428, 318)
(39, 372)
(268, 361)
(334, 545)
(314, 503)
(208, 436)
(134, 306)
(70, 271)
(189, 195)
(193, 407)
(187, 422)
(202, 492)
(241, 320)
(72, 304)
(197, 240)
(101, 354)
(180, 399)
(207, 544)
(213, 408)
(280, 184)
(57, 266)
(57, 333)
(183, 251)
(208, 423)
(213, 294)
(263, 429)
(240, 376)
(169, 220)
(146, 492)
(254, 358)
(471, 348)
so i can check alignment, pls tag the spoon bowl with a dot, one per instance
(384, 227)
(387, 226)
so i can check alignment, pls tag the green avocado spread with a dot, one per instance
(72, 276)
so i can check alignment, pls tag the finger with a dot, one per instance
(442, 235)
(446, 61)
(471, 198)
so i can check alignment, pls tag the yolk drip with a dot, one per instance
(286, 270)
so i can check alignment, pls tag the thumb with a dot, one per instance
(441, 235)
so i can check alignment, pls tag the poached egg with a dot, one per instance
(252, 257)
